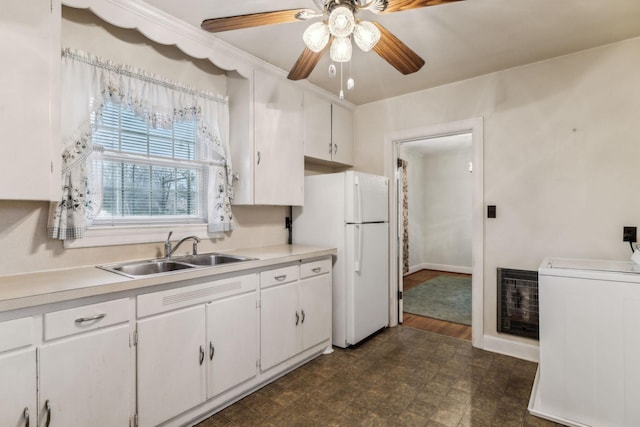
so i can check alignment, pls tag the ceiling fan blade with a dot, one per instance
(396, 53)
(400, 5)
(216, 25)
(306, 62)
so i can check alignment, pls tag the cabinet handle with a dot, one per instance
(316, 270)
(258, 157)
(201, 355)
(335, 148)
(281, 277)
(303, 316)
(212, 350)
(92, 318)
(47, 407)
(297, 318)
(25, 414)
(330, 148)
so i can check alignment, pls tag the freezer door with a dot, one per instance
(366, 198)
(367, 279)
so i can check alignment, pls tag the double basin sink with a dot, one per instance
(167, 265)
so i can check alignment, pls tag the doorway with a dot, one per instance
(393, 142)
(435, 187)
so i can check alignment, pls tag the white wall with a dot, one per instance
(440, 187)
(561, 153)
(447, 186)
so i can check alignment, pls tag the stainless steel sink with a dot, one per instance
(212, 259)
(145, 268)
(170, 265)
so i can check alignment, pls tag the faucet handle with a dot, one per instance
(169, 236)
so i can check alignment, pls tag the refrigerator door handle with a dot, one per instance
(358, 243)
(358, 197)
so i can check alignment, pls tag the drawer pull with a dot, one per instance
(92, 318)
(281, 277)
(25, 414)
(316, 270)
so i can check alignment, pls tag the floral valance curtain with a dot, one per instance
(88, 83)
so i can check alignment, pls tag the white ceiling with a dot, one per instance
(458, 40)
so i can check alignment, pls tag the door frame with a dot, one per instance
(392, 141)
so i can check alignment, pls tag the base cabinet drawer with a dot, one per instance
(86, 318)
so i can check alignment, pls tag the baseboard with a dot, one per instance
(521, 350)
(440, 267)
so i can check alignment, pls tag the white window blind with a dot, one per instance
(149, 174)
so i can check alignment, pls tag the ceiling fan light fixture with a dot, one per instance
(366, 35)
(340, 49)
(341, 21)
(316, 36)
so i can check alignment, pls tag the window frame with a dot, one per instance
(120, 124)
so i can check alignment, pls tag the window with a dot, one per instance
(149, 174)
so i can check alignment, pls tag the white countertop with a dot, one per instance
(19, 291)
(620, 271)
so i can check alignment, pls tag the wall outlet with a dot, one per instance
(629, 234)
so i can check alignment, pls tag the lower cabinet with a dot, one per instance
(232, 337)
(194, 349)
(294, 316)
(18, 390)
(85, 380)
(78, 370)
(189, 355)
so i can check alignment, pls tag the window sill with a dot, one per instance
(134, 234)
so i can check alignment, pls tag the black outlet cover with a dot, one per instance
(491, 211)
(629, 234)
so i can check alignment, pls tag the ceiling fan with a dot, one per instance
(335, 31)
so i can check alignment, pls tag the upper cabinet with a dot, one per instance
(29, 97)
(269, 162)
(328, 131)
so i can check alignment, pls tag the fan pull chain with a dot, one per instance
(341, 91)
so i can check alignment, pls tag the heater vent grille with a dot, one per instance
(518, 310)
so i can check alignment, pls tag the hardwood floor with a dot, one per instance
(437, 326)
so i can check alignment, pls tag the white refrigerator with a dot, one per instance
(349, 211)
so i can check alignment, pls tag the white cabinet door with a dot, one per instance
(315, 306)
(171, 366)
(317, 127)
(86, 379)
(342, 135)
(29, 93)
(328, 131)
(279, 147)
(279, 320)
(232, 342)
(18, 389)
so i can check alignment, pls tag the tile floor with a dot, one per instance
(400, 377)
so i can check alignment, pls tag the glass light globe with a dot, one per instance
(366, 35)
(316, 36)
(341, 21)
(340, 49)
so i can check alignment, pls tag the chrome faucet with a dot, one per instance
(169, 249)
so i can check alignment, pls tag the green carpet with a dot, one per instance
(443, 297)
